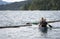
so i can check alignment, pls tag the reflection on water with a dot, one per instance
(43, 29)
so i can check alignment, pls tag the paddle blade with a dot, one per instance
(50, 26)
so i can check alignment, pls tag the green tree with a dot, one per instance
(44, 5)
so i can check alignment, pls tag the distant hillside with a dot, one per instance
(45, 5)
(2, 2)
(15, 6)
(33, 5)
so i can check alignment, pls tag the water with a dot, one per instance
(29, 32)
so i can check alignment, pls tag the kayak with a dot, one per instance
(43, 29)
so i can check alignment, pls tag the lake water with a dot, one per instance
(30, 32)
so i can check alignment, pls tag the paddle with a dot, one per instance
(50, 26)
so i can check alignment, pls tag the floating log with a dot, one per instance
(14, 26)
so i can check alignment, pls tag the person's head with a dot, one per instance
(43, 19)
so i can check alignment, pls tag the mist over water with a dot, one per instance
(30, 32)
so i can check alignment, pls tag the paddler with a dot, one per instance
(43, 23)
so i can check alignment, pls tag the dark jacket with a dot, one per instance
(43, 24)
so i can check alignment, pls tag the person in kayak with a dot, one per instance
(44, 23)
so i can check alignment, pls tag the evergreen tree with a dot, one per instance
(45, 5)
